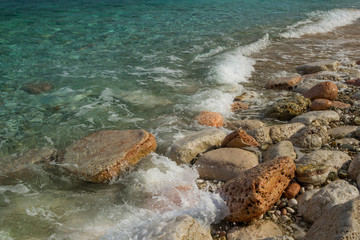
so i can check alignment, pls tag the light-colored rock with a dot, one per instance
(286, 83)
(318, 67)
(334, 193)
(238, 139)
(325, 75)
(252, 193)
(332, 159)
(292, 202)
(343, 131)
(304, 86)
(347, 143)
(327, 90)
(238, 106)
(314, 174)
(317, 117)
(212, 119)
(281, 149)
(354, 168)
(184, 227)
(18, 162)
(311, 136)
(103, 155)
(275, 133)
(320, 104)
(342, 222)
(225, 163)
(186, 149)
(246, 124)
(278, 238)
(258, 230)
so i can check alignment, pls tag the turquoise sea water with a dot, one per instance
(122, 65)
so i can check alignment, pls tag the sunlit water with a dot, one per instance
(140, 64)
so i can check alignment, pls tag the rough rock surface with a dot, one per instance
(275, 133)
(317, 117)
(327, 90)
(103, 155)
(318, 67)
(314, 174)
(332, 159)
(278, 238)
(334, 193)
(281, 149)
(225, 163)
(258, 230)
(257, 189)
(342, 222)
(354, 168)
(212, 119)
(37, 87)
(286, 83)
(311, 136)
(239, 139)
(286, 109)
(343, 131)
(238, 106)
(14, 163)
(246, 124)
(320, 104)
(186, 149)
(184, 227)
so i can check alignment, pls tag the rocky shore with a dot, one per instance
(293, 174)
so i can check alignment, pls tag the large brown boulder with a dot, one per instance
(252, 193)
(327, 90)
(103, 155)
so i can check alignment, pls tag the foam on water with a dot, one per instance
(322, 22)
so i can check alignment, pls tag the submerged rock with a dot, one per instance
(186, 149)
(103, 155)
(258, 230)
(37, 87)
(286, 109)
(238, 106)
(225, 163)
(252, 193)
(212, 119)
(318, 67)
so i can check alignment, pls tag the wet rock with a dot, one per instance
(320, 104)
(332, 159)
(354, 82)
(305, 86)
(349, 63)
(318, 67)
(284, 83)
(246, 124)
(278, 238)
(225, 163)
(340, 105)
(258, 230)
(17, 162)
(249, 96)
(275, 133)
(317, 117)
(334, 193)
(37, 87)
(354, 168)
(314, 174)
(292, 190)
(239, 139)
(252, 193)
(281, 149)
(286, 109)
(103, 155)
(184, 227)
(340, 222)
(343, 131)
(186, 149)
(238, 106)
(212, 119)
(311, 136)
(327, 90)
(325, 75)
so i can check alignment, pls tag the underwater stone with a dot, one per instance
(103, 155)
(37, 87)
(318, 67)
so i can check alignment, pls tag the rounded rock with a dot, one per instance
(320, 104)
(292, 202)
(212, 119)
(327, 90)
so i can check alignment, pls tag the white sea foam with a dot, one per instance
(18, 188)
(321, 22)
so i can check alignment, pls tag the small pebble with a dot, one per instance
(283, 211)
(274, 217)
(309, 186)
(282, 205)
(292, 202)
(278, 213)
(290, 210)
(284, 218)
(302, 190)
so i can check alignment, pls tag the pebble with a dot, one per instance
(283, 211)
(290, 210)
(282, 205)
(302, 190)
(278, 212)
(284, 218)
(274, 217)
(292, 202)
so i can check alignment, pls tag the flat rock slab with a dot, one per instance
(252, 193)
(318, 67)
(186, 149)
(343, 131)
(341, 222)
(284, 83)
(258, 230)
(103, 155)
(317, 117)
(225, 163)
(334, 193)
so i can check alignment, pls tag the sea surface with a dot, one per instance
(149, 64)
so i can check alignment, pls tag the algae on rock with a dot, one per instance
(286, 109)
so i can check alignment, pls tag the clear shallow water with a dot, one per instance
(131, 64)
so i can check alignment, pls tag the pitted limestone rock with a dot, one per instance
(312, 137)
(239, 139)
